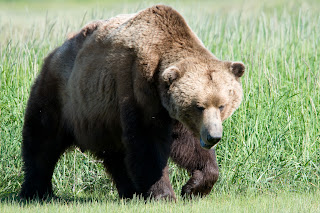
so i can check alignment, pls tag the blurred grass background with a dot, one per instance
(270, 145)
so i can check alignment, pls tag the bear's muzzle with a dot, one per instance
(211, 128)
(211, 141)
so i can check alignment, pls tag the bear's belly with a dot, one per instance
(99, 139)
(96, 127)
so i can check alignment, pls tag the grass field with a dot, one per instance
(269, 157)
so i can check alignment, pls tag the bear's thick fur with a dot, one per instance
(133, 90)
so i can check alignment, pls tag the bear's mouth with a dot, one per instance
(205, 145)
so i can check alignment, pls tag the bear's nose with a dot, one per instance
(213, 139)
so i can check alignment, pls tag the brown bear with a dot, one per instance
(133, 90)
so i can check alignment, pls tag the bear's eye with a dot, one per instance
(200, 108)
(221, 108)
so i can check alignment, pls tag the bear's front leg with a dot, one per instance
(147, 144)
(187, 153)
(162, 189)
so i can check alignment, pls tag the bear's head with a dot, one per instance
(201, 95)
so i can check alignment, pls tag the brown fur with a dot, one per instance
(119, 87)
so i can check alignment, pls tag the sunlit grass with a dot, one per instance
(224, 202)
(271, 143)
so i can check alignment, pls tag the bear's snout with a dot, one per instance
(213, 139)
(207, 140)
(211, 128)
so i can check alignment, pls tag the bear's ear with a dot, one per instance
(237, 68)
(171, 74)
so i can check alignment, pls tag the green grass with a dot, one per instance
(283, 202)
(269, 157)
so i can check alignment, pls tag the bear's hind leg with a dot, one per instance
(39, 164)
(44, 140)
